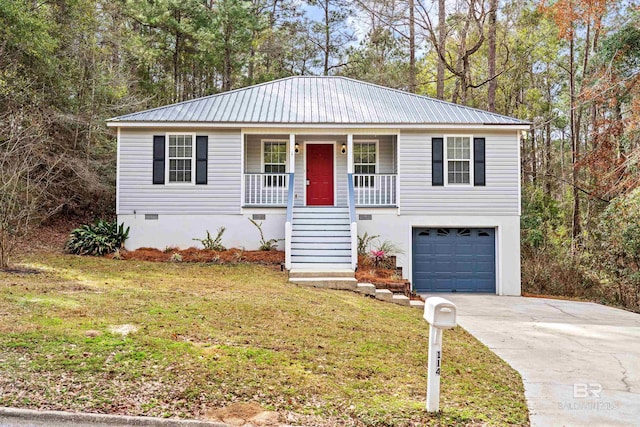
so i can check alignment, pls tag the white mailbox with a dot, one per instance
(440, 313)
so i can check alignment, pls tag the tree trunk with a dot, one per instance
(442, 39)
(547, 159)
(412, 48)
(575, 147)
(327, 38)
(176, 65)
(534, 159)
(491, 58)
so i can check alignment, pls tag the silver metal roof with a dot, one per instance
(318, 100)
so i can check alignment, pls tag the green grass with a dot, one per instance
(210, 335)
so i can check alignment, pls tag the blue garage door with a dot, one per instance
(454, 260)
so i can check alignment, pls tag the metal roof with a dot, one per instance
(318, 100)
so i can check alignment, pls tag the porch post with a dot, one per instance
(292, 152)
(397, 148)
(242, 170)
(350, 153)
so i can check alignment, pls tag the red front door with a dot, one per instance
(320, 174)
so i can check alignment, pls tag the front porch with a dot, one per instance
(273, 163)
(320, 180)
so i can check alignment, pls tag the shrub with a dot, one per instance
(213, 244)
(103, 237)
(265, 245)
(176, 258)
(364, 242)
(382, 253)
(617, 250)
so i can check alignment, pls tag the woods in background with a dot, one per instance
(571, 67)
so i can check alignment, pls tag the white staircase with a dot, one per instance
(321, 247)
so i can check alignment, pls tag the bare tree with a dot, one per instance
(442, 41)
(26, 177)
(491, 57)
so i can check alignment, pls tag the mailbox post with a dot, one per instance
(441, 314)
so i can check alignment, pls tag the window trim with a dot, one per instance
(377, 164)
(263, 141)
(168, 159)
(445, 156)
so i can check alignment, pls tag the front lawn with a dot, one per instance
(205, 336)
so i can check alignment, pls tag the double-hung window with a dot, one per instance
(458, 161)
(274, 158)
(181, 158)
(365, 158)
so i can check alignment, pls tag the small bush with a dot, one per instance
(364, 242)
(103, 237)
(176, 257)
(265, 245)
(213, 244)
(382, 253)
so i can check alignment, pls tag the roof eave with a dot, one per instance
(417, 126)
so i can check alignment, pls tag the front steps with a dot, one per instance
(321, 254)
(321, 239)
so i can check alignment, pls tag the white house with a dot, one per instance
(319, 160)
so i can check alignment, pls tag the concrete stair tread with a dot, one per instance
(401, 300)
(416, 304)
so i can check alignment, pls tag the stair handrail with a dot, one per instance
(287, 225)
(352, 220)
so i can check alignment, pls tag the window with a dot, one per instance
(180, 158)
(364, 162)
(274, 159)
(458, 160)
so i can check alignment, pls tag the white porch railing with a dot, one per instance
(375, 189)
(266, 189)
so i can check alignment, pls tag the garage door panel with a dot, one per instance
(454, 259)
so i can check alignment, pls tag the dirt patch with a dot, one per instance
(230, 256)
(51, 236)
(20, 270)
(240, 414)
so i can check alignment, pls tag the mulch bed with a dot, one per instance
(382, 276)
(230, 256)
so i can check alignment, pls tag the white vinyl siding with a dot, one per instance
(498, 197)
(137, 194)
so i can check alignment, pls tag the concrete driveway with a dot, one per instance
(580, 362)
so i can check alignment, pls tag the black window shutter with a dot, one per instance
(437, 158)
(202, 149)
(479, 170)
(158, 159)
